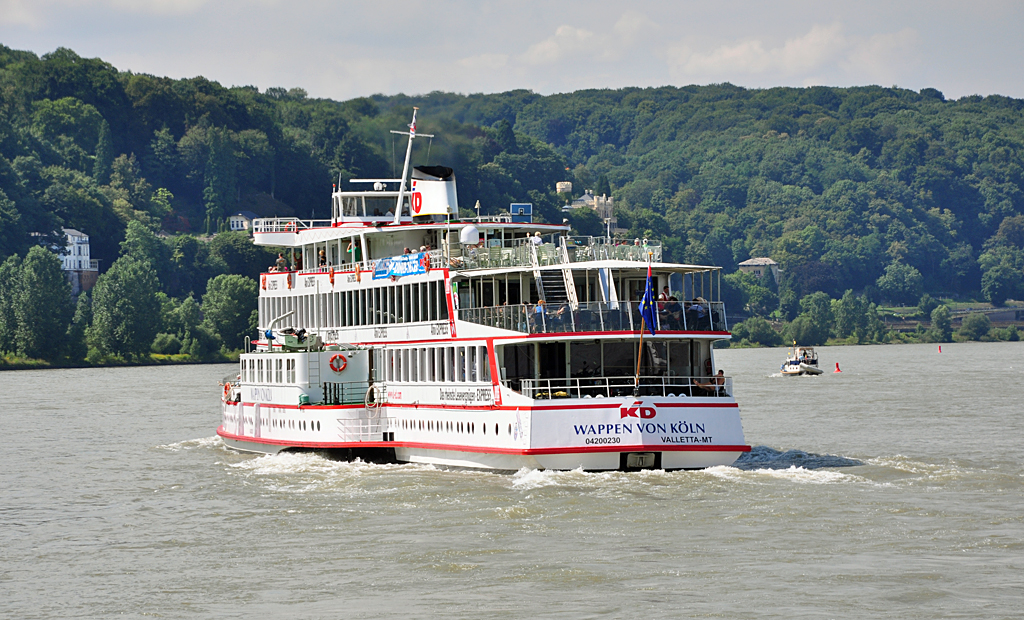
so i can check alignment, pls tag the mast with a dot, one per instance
(405, 168)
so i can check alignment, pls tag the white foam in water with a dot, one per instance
(793, 473)
(536, 478)
(212, 441)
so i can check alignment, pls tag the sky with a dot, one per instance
(344, 49)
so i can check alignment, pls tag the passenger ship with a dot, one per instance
(401, 332)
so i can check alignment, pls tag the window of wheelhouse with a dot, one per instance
(517, 362)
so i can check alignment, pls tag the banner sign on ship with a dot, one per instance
(404, 265)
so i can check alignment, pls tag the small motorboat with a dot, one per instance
(801, 361)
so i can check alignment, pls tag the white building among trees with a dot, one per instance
(76, 263)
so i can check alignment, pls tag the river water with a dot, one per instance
(890, 490)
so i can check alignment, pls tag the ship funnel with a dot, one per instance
(433, 192)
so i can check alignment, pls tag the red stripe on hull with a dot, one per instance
(480, 449)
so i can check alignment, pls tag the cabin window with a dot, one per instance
(414, 367)
(391, 305)
(290, 371)
(397, 364)
(654, 361)
(619, 359)
(584, 360)
(259, 370)
(449, 364)
(460, 364)
(485, 365)
(679, 359)
(551, 360)
(472, 359)
(407, 304)
(517, 363)
(279, 371)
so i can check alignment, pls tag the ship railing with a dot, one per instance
(666, 386)
(598, 316)
(360, 429)
(346, 393)
(287, 224)
(583, 249)
(516, 254)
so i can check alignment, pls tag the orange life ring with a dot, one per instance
(227, 388)
(289, 227)
(331, 276)
(264, 283)
(335, 359)
(288, 279)
(425, 262)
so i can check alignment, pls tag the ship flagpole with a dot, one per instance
(405, 168)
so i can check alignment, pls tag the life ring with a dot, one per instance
(264, 282)
(335, 359)
(331, 276)
(227, 389)
(425, 262)
(289, 227)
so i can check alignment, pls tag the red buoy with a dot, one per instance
(837, 368)
(940, 348)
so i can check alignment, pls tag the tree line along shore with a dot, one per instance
(866, 197)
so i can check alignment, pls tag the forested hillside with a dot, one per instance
(889, 192)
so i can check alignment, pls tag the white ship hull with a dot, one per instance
(674, 433)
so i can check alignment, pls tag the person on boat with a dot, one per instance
(296, 261)
(535, 239)
(322, 259)
(560, 317)
(674, 313)
(354, 250)
(539, 314)
(715, 385)
(281, 263)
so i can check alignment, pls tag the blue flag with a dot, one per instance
(647, 304)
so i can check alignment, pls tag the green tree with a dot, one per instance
(804, 331)
(927, 304)
(141, 244)
(10, 285)
(239, 255)
(227, 304)
(126, 310)
(851, 315)
(942, 321)
(1000, 283)
(818, 308)
(975, 326)
(42, 306)
(901, 283)
(758, 331)
(77, 346)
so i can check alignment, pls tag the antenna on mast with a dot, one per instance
(405, 169)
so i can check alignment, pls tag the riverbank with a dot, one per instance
(12, 362)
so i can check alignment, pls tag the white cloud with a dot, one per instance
(884, 58)
(484, 62)
(566, 40)
(818, 47)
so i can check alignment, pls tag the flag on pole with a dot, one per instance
(647, 304)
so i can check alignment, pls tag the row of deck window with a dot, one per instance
(435, 364)
(268, 371)
(379, 305)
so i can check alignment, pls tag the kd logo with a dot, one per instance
(637, 412)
